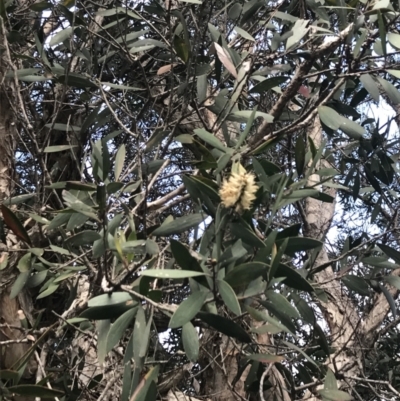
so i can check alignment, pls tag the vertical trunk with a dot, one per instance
(348, 333)
(9, 308)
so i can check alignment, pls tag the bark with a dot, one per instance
(348, 333)
(10, 309)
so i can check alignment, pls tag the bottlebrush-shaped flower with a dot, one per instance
(238, 191)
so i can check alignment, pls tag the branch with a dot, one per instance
(295, 84)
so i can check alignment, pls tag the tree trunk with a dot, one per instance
(10, 309)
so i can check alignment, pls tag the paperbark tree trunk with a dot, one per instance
(348, 332)
(10, 308)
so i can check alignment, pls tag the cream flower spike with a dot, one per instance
(238, 191)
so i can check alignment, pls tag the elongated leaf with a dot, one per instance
(179, 225)
(392, 92)
(14, 224)
(61, 36)
(357, 284)
(32, 390)
(225, 326)
(111, 299)
(266, 358)
(390, 252)
(268, 84)
(351, 128)
(229, 297)
(393, 281)
(390, 300)
(243, 274)
(298, 244)
(50, 290)
(295, 347)
(371, 86)
(283, 304)
(329, 117)
(210, 139)
(190, 341)
(188, 309)
(170, 273)
(82, 238)
(299, 29)
(118, 328)
(225, 59)
(80, 207)
(19, 283)
(334, 395)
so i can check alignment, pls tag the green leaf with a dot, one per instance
(351, 128)
(9, 375)
(41, 6)
(330, 381)
(394, 40)
(179, 225)
(298, 244)
(170, 273)
(35, 391)
(24, 264)
(225, 326)
(264, 317)
(118, 328)
(19, 284)
(188, 309)
(36, 279)
(329, 117)
(370, 85)
(77, 81)
(393, 281)
(121, 87)
(77, 205)
(299, 30)
(293, 278)
(298, 349)
(210, 139)
(242, 116)
(357, 284)
(118, 10)
(113, 298)
(16, 200)
(392, 92)
(229, 297)
(244, 34)
(181, 48)
(102, 328)
(243, 274)
(50, 290)
(395, 73)
(268, 84)
(390, 252)
(82, 238)
(390, 300)
(190, 341)
(61, 36)
(14, 224)
(334, 395)
(282, 304)
(108, 312)
(183, 257)
(246, 234)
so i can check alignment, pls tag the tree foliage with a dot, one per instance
(199, 198)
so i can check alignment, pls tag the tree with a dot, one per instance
(209, 171)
